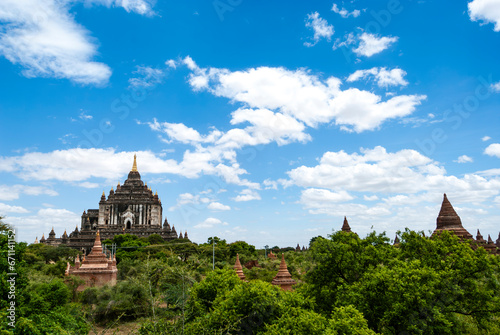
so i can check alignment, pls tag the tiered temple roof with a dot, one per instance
(239, 268)
(283, 278)
(345, 226)
(96, 269)
(449, 220)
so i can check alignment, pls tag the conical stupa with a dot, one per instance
(283, 278)
(345, 226)
(449, 220)
(239, 268)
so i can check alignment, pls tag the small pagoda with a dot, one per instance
(345, 226)
(283, 278)
(96, 269)
(239, 268)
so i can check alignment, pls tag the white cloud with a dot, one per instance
(371, 44)
(320, 27)
(87, 184)
(300, 95)
(344, 12)
(217, 206)
(13, 192)
(42, 37)
(464, 159)
(383, 77)
(79, 164)
(171, 63)
(247, 195)
(348, 39)
(496, 87)
(270, 184)
(493, 150)
(29, 227)
(4, 208)
(376, 171)
(487, 11)
(147, 77)
(370, 198)
(317, 196)
(142, 7)
(85, 117)
(210, 223)
(485, 138)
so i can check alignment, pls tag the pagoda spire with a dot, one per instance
(449, 220)
(345, 226)
(134, 166)
(239, 268)
(283, 278)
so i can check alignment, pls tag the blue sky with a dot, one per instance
(263, 121)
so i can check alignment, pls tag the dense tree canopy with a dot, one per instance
(345, 285)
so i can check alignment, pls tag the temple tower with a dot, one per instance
(449, 220)
(283, 278)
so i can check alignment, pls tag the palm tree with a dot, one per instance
(4, 227)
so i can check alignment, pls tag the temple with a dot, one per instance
(131, 209)
(449, 220)
(283, 277)
(96, 269)
(239, 268)
(345, 226)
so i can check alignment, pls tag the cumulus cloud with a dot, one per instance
(485, 138)
(300, 95)
(344, 12)
(31, 226)
(320, 27)
(375, 171)
(464, 159)
(4, 208)
(80, 164)
(382, 76)
(493, 150)
(371, 44)
(487, 11)
(12, 192)
(210, 223)
(43, 38)
(217, 206)
(247, 195)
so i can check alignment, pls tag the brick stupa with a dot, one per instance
(96, 269)
(283, 278)
(449, 220)
(345, 226)
(239, 268)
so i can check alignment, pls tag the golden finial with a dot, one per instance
(103, 194)
(112, 189)
(156, 193)
(97, 232)
(134, 166)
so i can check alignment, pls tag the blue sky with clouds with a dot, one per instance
(264, 121)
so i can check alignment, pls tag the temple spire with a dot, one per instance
(239, 268)
(134, 166)
(283, 277)
(448, 219)
(345, 226)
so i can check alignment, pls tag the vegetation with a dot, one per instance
(345, 285)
